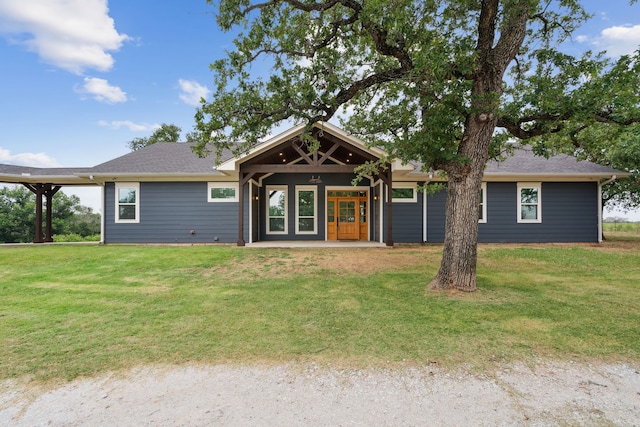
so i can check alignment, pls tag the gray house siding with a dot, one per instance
(436, 210)
(168, 213)
(569, 214)
(407, 221)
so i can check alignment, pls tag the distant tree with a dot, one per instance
(165, 133)
(443, 82)
(618, 147)
(17, 216)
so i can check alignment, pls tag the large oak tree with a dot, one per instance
(443, 83)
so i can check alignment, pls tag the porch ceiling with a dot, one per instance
(331, 152)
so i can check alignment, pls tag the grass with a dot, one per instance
(69, 310)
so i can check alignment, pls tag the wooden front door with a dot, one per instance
(347, 216)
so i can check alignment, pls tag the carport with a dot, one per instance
(44, 183)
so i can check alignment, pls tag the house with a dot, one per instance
(164, 193)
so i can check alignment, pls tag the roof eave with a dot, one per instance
(108, 177)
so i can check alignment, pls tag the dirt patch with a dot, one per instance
(549, 393)
(335, 261)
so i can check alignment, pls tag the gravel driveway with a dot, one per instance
(547, 394)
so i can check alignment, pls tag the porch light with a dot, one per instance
(315, 179)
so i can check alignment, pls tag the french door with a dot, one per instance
(347, 215)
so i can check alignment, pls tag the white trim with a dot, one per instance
(314, 189)
(538, 187)
(401, 185)
(484, 204)
(103, 217)
(212, 185)
(268, 189)
(424, 216)
(600, 185)
(116, 199)
(381, 213)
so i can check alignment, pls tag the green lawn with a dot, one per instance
(75, 310)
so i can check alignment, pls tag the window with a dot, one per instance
(482, 214)
(404, 193)
(223, 191)
(529, 202)
(306, 210)
(277, 210)
(127, 199)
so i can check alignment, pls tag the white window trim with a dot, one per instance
(411, 185)
(313, 188)
(537, 186)
(211, 185)
(118, 186)
(269, 189)
(484, 204)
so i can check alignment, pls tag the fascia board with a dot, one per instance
(39, 179)
(148, 177)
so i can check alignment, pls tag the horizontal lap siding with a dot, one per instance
(407, 221)
(436, 213)
(168, 213)
(569, 214)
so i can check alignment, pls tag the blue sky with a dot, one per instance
(81, 78)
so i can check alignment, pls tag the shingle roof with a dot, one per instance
(524, 161)
(173, 159)
(162, 158)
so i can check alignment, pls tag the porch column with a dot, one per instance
(241, 241)
(389, 241)
(38, 190)
(49, 192)
(242, 180)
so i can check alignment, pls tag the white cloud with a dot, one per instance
(192, 91)
(134, 127)
(37, 160)
(619, 40)
(71, 34)
(102, 91)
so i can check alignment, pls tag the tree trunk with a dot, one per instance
(459, 257)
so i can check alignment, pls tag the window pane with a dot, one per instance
(529, 195)
(126, 195)
(276, 224)
(402, 193)
(306, 203)
(306, 224)
(330, 211)
(480, 213)
(363, 211)
(127, 212)
(276, 203)
(529, 212)
(223, 193)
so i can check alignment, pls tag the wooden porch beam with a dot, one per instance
(300, 151)
(328, 153)
(298, 168)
